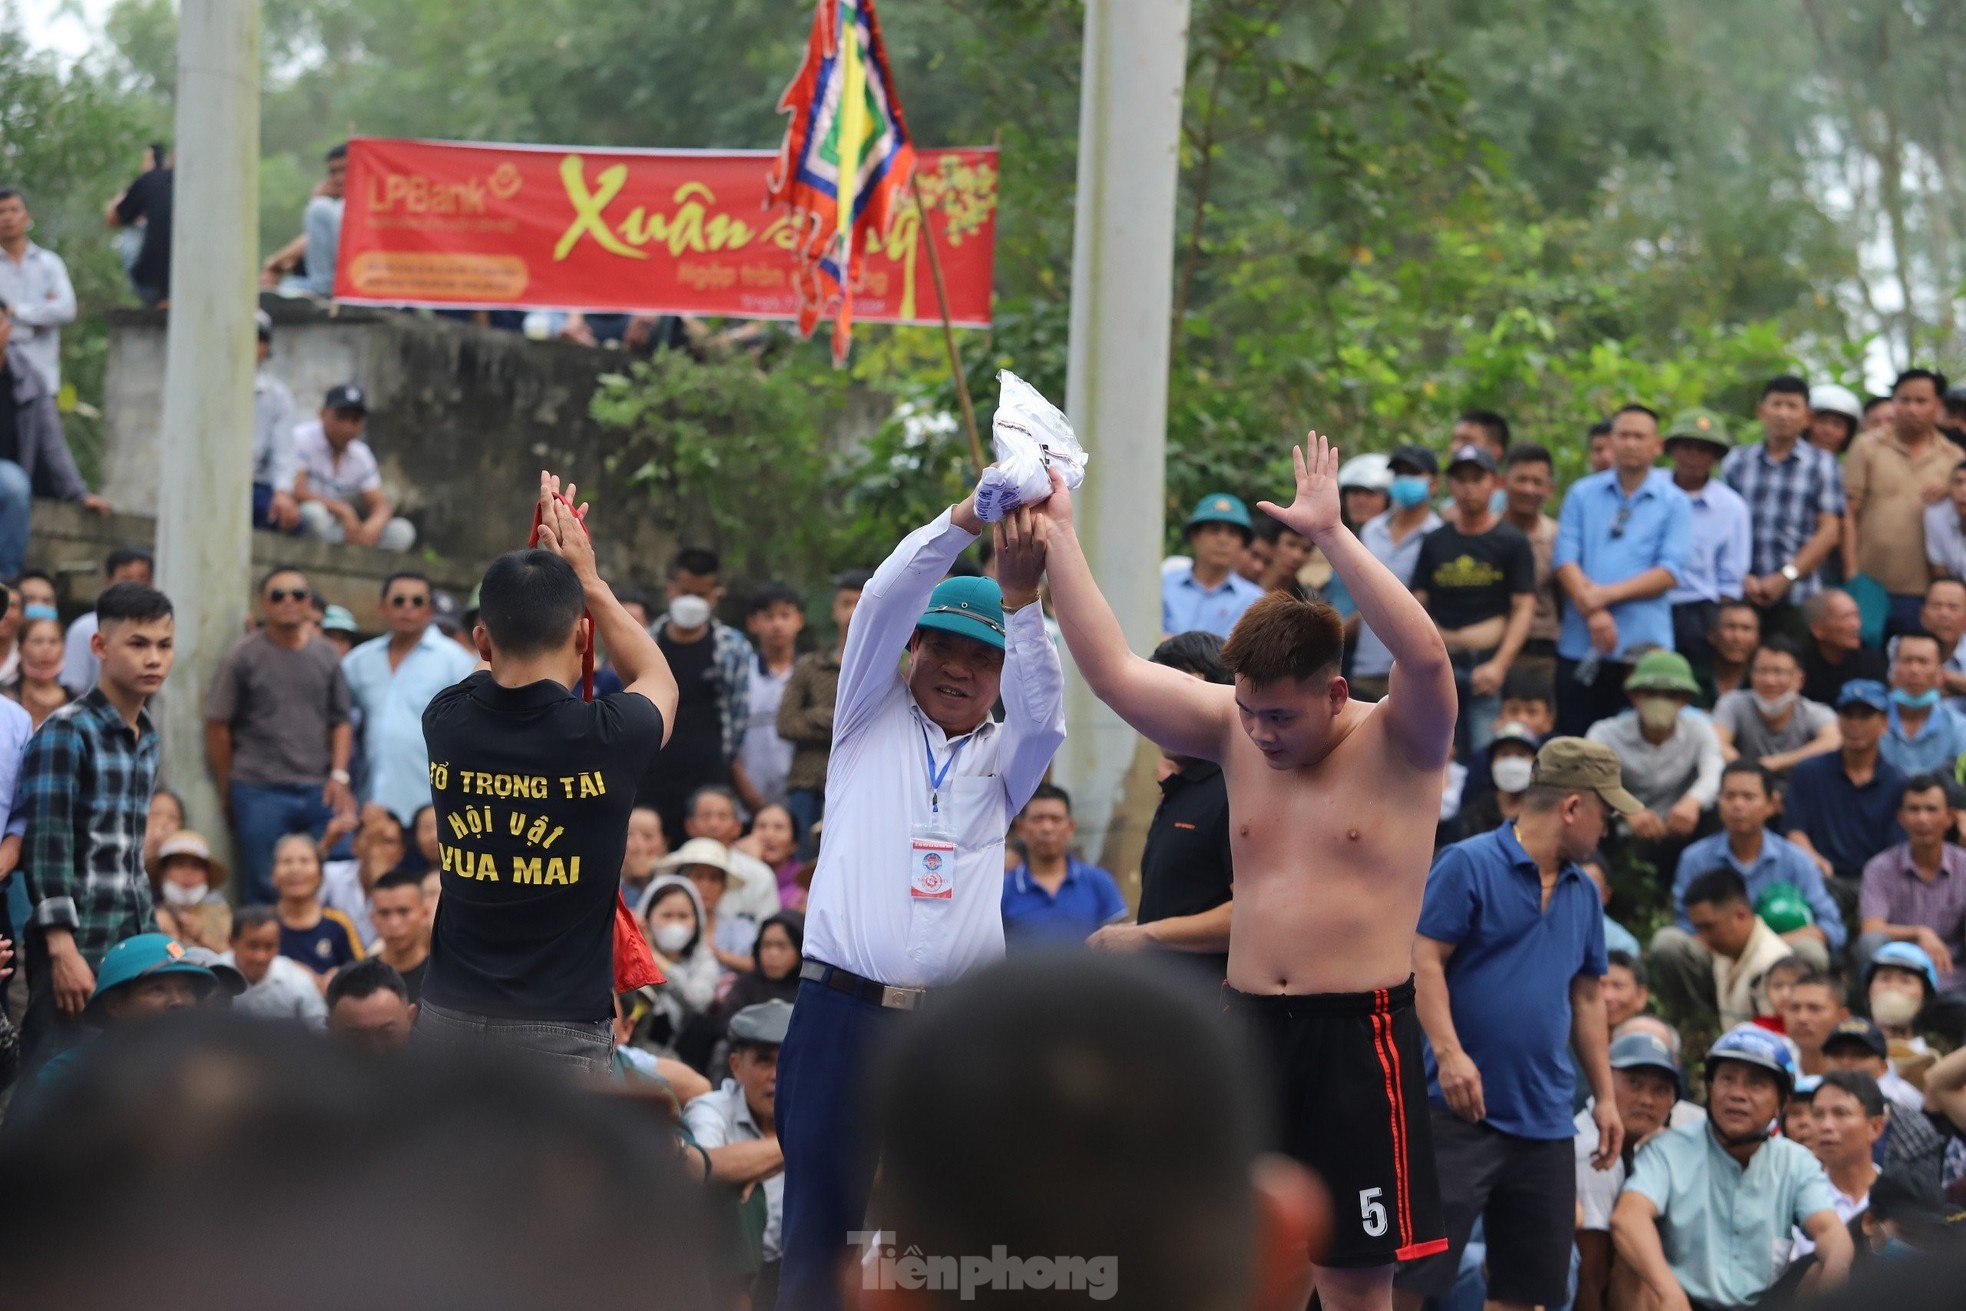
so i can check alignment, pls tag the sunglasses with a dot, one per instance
(1618, 524)
(279, 594)
(411, 602)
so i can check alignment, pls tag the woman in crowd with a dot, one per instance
(378, 847)
(776, 956)
(166, 817)
(774, 840)
(423, 856)
(323, 940)
(38, 684)
(672, 916)
(185, 890)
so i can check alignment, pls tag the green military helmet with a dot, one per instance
(1783, 908)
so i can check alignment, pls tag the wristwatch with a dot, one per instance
(1790, 572)
(338, 776)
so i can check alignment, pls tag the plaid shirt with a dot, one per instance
(85, 792)
(1784, 500)
(733, 665)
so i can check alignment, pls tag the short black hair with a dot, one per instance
(1633, 964)
(160, 151)
(1933, 376)
(1779, 644)
(14, 193)
(1091, 1106)
(696, 560)
(710, 790)
(1794, 966)
(1528, 453)
(400, 877)
(1785, 384)
(1860, 1085)
(124, 556)
(1050, 792)
(628, 594)
(401, 575)
(853, 580)
(772, 594)
(1720, 886)
(1633, 407)
(1915, 634)
(1874, 402)
(251, 917)
(1497, 426)
(138, 603)
(1746, 766)
(1815, 978)
(1197, 652)
(275, 572)
(337, 152)
(1528, 685)
(1922, 783)
(1736, 603)
(42, 574)
(365, 978)
(529, 602)
(1602, 428)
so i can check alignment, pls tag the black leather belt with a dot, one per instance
(867, 990)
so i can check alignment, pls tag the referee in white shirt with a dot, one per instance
(920, 789)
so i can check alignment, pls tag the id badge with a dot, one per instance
(932, 864)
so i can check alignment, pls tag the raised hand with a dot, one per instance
(562, 528)
(1316, 510)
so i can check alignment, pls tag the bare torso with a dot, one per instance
(1331, 861)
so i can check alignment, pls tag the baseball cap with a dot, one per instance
(137, 958)
(446, 613)
(228, 976)
(969, 607)
(1414, 457)
(1511, 730)
(1472, 454)
(339, 619)
(1220, 507)
(1640, 1050)
(1662, 671)
(765, 1022)
(1859, 1032)
(1699, 425)
(1864, 692)
(1578, 764)
(346, 396)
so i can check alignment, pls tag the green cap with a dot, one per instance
(1783, 909)
(967, 607)
(1662, 671)
(1577, 764)
(1220, 507)
(1700, 426)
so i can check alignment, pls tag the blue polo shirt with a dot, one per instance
(1087, 900)
(1508, 980)
(1186, 606)
(1613, 537)
(1940, 741)
(1780, 861)
(1846, 823)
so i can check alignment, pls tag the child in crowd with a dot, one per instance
(185, 890)
(1781, 977)
(1531, 703)
(311, 935)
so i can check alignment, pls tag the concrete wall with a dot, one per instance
(463, 420)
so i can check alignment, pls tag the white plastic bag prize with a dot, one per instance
(1029, 436)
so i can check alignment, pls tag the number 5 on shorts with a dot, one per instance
(1372, 1211)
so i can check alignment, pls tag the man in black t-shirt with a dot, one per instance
(148, 201)
(533, 787)
(1477, 578)
(1836, 653)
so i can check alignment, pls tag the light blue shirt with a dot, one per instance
(1722, 540)
(16, 726)
(1780, 861)
(1613, 538)
(1727, 1231)
(392, 704)
(1371, 659)
(322, 225)
(1937, 745)
(1185, 605)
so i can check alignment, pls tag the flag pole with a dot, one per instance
(948, 328)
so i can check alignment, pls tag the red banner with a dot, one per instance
(463, 226)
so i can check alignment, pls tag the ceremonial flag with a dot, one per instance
(845, 162)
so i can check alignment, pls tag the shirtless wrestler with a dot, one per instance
(1331, 816)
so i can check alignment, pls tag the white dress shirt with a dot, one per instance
(38, 291)
(860, 915)
(723, 1117)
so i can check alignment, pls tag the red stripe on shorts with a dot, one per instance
(1389, 1064)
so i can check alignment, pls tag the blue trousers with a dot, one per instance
(829, 1149)
(261, 816)
(16, 502)
(808, 807)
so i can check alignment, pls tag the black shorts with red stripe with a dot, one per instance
(1351, 1103)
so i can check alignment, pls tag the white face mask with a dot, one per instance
(1894, 1009)
(178, 894)
(1770, 708)
(1511, 773)
(689, 612)
(1658, 713)
(672, 938)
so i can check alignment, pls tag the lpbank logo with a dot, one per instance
(881, 1267)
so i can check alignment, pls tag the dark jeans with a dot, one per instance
(1579, 705)
(808, 807)
(829, 1158)
(1691, 622)
(261, 816)
(263, 510)
(578, 1047)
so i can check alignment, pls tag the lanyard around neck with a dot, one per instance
(936, 778)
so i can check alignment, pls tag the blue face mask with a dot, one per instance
(38, 611)
(1897, 1249)
(1923, 701)
(1409, 490)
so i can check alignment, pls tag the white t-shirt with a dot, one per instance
(1597, 1190)
(348, 481)
(288, 992)
(766, 757)
(1847, 1209)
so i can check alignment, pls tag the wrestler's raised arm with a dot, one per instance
(1182, 714)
